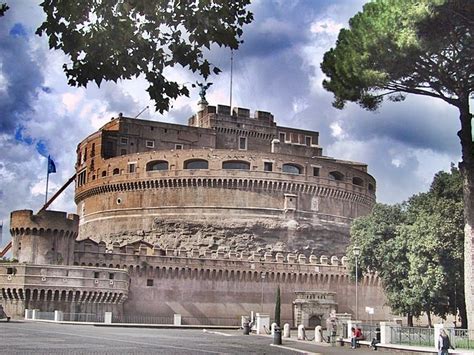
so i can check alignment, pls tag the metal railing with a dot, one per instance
(45, 315)
(462, 338)
(138, 319)
(83, 317)
(369, 331)
(412, 336)
(223, 321)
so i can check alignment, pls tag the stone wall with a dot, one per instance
(45, 238)
(70, 289)
(278, 209)
(227, 285)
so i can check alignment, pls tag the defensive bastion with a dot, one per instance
(204, 220)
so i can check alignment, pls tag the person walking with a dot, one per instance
(3, 314)
(444, 344)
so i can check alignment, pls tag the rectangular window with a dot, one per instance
(81, 178)
(150, 144)
(282, 137)
(111, 276)
(267, 166)
(178, 146)
(132, 167)
(149, 282)
(308, 141)
(123, 140)
(315, 171)
(10, 271)
(242, 143)
(96, 274)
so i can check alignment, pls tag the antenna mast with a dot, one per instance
(231, 74)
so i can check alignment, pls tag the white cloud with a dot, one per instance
(337, 131)
(326, 26)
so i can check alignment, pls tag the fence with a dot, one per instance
(83, 317)
(462, 338)
(138, 319)
(223, 321)
(369, 331)
(412, 336)
(45, 315)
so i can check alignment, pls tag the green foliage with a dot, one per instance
(112, 40)
(417, 249)
(278, 307)
(394, 47)
(3, 8)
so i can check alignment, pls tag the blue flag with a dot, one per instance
(51, 165)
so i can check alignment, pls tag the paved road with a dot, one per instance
(50, 338)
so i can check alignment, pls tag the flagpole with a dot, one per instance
(47, 181)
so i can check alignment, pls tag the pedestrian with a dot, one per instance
(353, 338)
(376, 339)
(444, 344)
(3, 314)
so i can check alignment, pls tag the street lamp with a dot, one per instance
(262, 275)
(356, 252)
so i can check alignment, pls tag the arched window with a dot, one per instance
(157, 165)
(292, 169)
(116, 171)
(357, 181)
(336, 175)
(236, 164)
(104, 173)
(196, 164)
(371, 187)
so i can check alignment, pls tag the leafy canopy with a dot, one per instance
(121, 39)
(3, 8)
(417, 249)
(395, 47)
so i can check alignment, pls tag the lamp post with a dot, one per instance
(356, 252)
(262, 275)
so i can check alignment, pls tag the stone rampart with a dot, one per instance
(220, 285)
(70, 289)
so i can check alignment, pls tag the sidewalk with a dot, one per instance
(308, 347)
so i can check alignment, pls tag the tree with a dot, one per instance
(381, 251)
(417, 249)
(422, 47)
(277, 307)
(3, 8)
(112, 40)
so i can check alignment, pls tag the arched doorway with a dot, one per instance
(314, 321)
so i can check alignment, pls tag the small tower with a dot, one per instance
(44, 238)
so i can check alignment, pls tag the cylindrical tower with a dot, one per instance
(44, 238)
(228, 181)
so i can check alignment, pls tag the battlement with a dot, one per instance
(89, 252)
(142, 259)
(25, 222)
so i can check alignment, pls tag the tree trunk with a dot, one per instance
(467, 169)
(428, 316)
(410, 319)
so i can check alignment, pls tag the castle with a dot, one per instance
(203, 220)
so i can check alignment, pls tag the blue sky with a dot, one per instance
(276, 70)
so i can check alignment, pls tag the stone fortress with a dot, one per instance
(204, 220)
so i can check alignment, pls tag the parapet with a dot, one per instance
(26, 221)
(146, 249)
